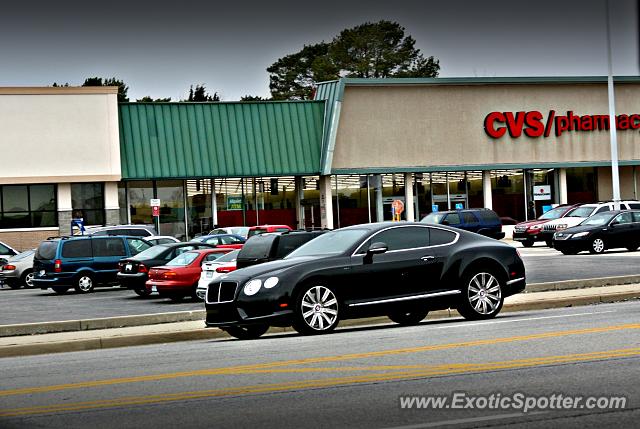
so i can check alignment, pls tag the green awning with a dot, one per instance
(200, 140)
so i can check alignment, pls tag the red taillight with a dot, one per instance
(57, 266)
(9, 267)
(225, 269)
(142, 268)
(169, 275)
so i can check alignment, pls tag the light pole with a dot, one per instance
(615, 176)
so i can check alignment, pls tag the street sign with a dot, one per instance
(459, 206)
(154, 202)
(155, 211)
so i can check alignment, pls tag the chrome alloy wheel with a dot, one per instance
(598, 245)
(85, 283)
(319, 308)
(485, 293)
(28, 279)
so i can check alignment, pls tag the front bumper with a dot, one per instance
(228, 314)
(571, 245)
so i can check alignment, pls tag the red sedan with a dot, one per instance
(179, 277)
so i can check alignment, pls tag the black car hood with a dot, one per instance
(583, 228)
(269, 267)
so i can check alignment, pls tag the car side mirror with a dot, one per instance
(614, 223)
(376, 248)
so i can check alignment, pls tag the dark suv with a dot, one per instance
(482, 221)
(271, 246)
(82, 262)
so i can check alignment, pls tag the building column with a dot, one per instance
(65, 208)
(377, 185)
(408, 197)
(214, 205)
(326, 202)
(111, 204)
(486, 189)
(299, 196)
(562, 185)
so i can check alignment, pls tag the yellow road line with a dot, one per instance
(241, 369)
(320, 383)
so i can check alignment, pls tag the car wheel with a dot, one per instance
(142, 291)
(14, 284)
(481, 296)
(246, 332)
(597, 246)
(527, 243)
(316, 310)
(60, 290)
(408, 318)
(27, 278)
(84, 283)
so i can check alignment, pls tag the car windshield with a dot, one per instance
(229, 257)
(434, 218)
(151, 252)
(553, 213)
(581, 212)
(331, 243)
(183, 259)
(23, 255)
(599, 219)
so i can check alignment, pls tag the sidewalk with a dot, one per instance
(194, 330)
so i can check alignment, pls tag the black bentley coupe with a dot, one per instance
(401, 270)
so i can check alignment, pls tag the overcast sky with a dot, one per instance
(161, 47)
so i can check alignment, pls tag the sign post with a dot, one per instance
(155, 212)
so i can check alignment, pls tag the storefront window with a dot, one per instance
(122, 202)
(171, 196)
(28, 206)
(507, 190)
(140, 194)
(87, 200)
(581, 185)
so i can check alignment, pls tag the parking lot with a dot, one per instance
(35, 305)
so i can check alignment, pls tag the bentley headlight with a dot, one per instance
(580, 234)
(252, 287)
(270, 282)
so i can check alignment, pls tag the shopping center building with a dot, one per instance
(517, 145)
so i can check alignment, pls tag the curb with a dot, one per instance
(195, 315)
(209, 333)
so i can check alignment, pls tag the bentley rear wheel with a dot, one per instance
(316, 310)
(481, 296)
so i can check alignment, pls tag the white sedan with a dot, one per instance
(215, 269)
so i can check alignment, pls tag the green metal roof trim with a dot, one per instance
(200, 140)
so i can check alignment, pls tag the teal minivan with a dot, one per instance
(83, 263)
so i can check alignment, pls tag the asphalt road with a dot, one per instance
(355, 377)
(35, 305)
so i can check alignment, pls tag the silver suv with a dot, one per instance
(129, 230)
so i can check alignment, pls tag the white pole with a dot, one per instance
(615, 177)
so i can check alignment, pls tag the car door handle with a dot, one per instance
(428, 258)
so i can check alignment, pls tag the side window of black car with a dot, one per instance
(408, 237)
(136, 246)
(624, 218)
(108, 247)
(77, 249)
(440, 236)
(468, 218)
(636, 216)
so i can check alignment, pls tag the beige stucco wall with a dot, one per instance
(605, 189)
(50, 135)
(443, 125)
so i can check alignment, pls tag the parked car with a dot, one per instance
(261, 229)
(530, 231)
(18, 270)
(7, 251)
(130, 230)
(212, 270)
(481, 221)
(82, 262)
(134, 271)
(229, 241)
(161, 239)
(179, 277)
(270, 246)
(577, 215)
(242, 231)
(402, 270)
(608, 230)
